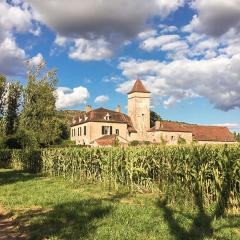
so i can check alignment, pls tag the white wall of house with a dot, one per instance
(94, 131)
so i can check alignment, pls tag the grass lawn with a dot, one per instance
(50, 208)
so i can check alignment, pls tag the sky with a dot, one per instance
(186, 52)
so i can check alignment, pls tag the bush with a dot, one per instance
(181, 140)
(28, 160)
(5, 158)
(134, 143)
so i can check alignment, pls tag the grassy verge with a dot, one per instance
(50, 208)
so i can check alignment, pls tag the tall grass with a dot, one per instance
(174, 171)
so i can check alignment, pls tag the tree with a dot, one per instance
(12, 107)
(237, 136)
(39, 115)
(2, 100)
(154, 117)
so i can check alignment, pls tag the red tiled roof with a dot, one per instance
(108, 140)
(170, 127)
(98, 115)
(138, 87)
(200, 133)
(210, 133)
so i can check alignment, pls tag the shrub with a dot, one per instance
(181, 140)
(134, 143)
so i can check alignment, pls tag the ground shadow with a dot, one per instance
(70, 220)
(13, 176)
(202, 223)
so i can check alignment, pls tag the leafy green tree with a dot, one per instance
(237, 136)
(39, 115)
(12, 107)
(154, 117)
(3, 83)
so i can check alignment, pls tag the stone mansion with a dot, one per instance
(102, 127)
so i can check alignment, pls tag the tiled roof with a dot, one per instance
(211, 133)
(170, 127)
(138, 87)
(200, 133)
(108, 140)
(99, 115)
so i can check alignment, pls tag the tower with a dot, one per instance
(139, 109)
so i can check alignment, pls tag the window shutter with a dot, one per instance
(102, 130)
(110, 130)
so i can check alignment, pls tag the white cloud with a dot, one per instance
(216, 79)
(87, 50)
(67, 97)
(14, 18)
(101, 99)
(11, 58)
(147, 34)
(157, 42)
(167, 29)
(103, 18)
(215, 17)
(60, 40)
(36, 60)
(99, 26)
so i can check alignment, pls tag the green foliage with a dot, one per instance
(12, 107)
(28, 159)
(2, 102)
(3, 82)
(154, 117)
(5, 158)
(237, 136)
(181, 140)
(134, 143)
(39, 114)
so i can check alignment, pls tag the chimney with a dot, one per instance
(88, 108)
(118, 109)
(157, 125)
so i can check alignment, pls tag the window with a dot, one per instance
(117, 131)
(85, 130)
(106, 130)
(172, 138)
(79, 131)
(107, 117)
(73, 132)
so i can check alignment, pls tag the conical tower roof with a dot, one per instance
(138, 87)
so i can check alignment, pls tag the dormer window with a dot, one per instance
(85, 117)
(107, 117)
(79, 119)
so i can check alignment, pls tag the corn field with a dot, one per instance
(174, 171)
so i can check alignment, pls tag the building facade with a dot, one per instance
(104, 127)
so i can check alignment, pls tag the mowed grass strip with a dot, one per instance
(51, 208)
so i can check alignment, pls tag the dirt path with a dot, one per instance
(9, 227)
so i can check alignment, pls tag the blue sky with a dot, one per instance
(186, 52)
